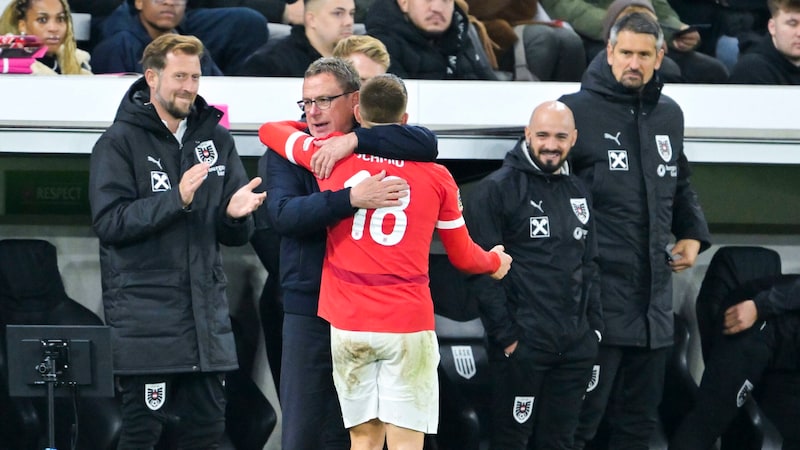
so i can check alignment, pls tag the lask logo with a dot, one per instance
(464, 361)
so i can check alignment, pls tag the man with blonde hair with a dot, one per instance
(367, 54)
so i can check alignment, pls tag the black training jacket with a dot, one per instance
(630, 155)
(550, 297)
(161, 269)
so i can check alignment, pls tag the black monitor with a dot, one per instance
(66, 355)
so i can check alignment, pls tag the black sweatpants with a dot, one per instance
(736, 366)
(194, 403)
(539, 393)
(626, 387)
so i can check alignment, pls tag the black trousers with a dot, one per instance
(193, 403)
(629, 384)
(736, 367)
(312, 417)
(537, 394)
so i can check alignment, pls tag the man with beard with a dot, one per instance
(630, 154)
(544, 319)
(427, 39)
(166, 188)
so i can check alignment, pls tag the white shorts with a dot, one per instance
(389, 376)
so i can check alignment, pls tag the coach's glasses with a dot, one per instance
(322, 102)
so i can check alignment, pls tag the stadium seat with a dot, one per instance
(32, 293)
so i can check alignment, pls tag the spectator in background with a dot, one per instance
(275, 11)
(229, 35)
(374, 289)
(367, 55)
(325, 23)
(732, 26)
(428, 39)
(552, 51)
(300, 213)
(166, 189)
(130, 30)
(544, 320)
(776, 58)
(630, 153)
(51, 22)
(587, 17)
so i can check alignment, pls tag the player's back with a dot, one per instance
(379, 258)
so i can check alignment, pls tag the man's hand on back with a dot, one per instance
(377, 192)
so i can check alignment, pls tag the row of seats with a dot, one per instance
(32, 292)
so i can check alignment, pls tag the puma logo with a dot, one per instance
(538, 205)
(612, 137)
(155, 161)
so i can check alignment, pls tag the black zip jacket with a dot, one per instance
(417, 55)
(550, 297)
(161, 269)
(287, 57)
(629, 154)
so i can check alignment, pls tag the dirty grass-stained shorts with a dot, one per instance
(389, 376)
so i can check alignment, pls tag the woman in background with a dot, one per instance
(51, 22)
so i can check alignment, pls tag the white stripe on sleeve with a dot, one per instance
(450, 224)
(289, 147)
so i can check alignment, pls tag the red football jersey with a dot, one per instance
(375, 274)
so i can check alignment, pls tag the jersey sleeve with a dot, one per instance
(288, 140)
(462, 251)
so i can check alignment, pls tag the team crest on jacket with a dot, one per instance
(580, 208)
(744, 392)
(155, 395)
(523, 407)
(464, 361)
(206, 152)
(664, 147)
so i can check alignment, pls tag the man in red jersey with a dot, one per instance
(374, 288)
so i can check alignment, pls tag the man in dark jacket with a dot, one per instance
(130, 28)
(325, 22)
(300, 213)
(229, 35)
(757, 350)
(544, 321)
(630, 153)
(775, 59)
(166, 189)
(427, 40)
